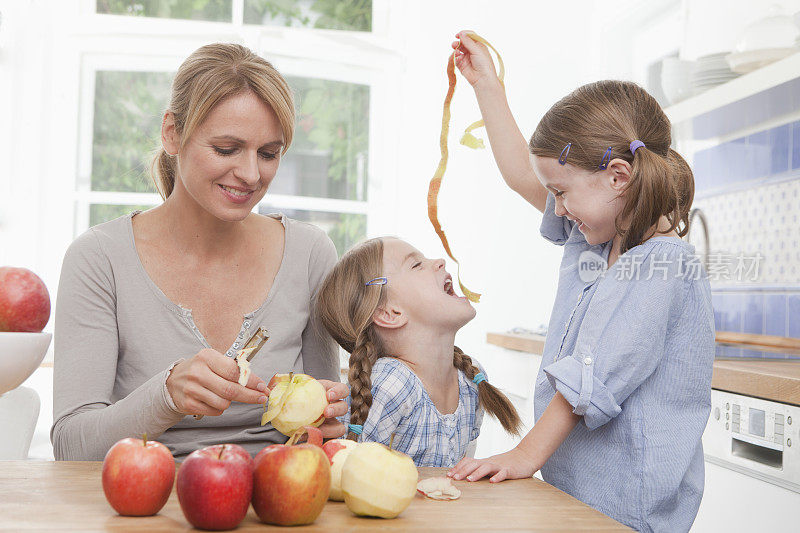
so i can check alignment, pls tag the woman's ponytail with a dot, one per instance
(163, 171)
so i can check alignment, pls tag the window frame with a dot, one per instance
(352, 57)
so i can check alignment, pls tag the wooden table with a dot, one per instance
(58, 496)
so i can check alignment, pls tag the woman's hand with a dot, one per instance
(514, 464)
(207, 383)
(337, 392)
(473, 60)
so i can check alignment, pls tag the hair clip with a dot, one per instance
(355, 428)
(562, 159)
(478, 378)
(606, 159)
(635, 145)
(378, 281)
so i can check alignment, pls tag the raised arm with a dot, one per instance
(509, 146)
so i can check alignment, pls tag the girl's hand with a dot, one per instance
(473, 60)
(337, 392)
(206, 384)
(513, 464)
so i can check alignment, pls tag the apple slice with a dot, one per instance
(438, 488)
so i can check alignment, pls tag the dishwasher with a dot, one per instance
(752, 453)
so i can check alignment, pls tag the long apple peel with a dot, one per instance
(469, 140)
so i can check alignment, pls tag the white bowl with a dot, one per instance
(776, 30)
(20, 355)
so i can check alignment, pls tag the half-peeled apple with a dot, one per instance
(378, 481)
(337, 451)
(295, 400)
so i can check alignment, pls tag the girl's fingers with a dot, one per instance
(457, 466)
(466, 469)
(502, 475)
(482, 471)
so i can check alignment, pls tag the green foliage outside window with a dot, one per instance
(333, 117)
(213, 10)
(99, 213)
(349, 15)
(127, 127)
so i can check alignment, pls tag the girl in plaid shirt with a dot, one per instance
(397, 315)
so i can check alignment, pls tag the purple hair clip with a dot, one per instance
(606, 159)
(636, 144)
(378, 281)
(562, 159)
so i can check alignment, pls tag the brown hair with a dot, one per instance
(346, 304)
(611, 114)
(211, 74)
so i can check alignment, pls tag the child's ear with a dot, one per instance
(389, 317)
(619, 174)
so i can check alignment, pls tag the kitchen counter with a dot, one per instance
(51, 496)
(769, 379)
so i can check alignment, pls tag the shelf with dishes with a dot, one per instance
(766, 56)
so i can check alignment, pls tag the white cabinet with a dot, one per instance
(734, 502)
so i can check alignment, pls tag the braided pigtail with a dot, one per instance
(362, 359)
(345, 305)
(490, 398)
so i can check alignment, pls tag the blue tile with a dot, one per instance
(779, 139)
(755, 354)
(775, 310)
(728, 311)
(753, 315)
(759, 155)
(796, 145)
(793, 315)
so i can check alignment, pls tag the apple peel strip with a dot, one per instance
(469, 140)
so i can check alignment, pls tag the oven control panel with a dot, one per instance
(754, 436)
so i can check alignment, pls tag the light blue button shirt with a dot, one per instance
(632, 352)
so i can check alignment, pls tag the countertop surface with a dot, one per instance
(54, 496)
(771, 379)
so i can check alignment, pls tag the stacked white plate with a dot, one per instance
(710, 71)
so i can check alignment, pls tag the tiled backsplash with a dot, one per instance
(749, 191)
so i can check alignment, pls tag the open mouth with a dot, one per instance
(448, 286)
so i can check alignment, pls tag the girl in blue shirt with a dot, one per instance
(623, 393)
(396, 313)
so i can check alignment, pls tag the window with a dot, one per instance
(323, 179)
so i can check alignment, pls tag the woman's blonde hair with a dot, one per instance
(346, 304)
(211, 74)
(612, 114)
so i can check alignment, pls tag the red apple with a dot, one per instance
(24, 301)
(291, 482)
(214, 486)
(138, 476)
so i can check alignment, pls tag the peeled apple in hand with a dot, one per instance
(295, 400)
(378, 481)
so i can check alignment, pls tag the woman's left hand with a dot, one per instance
(337, 392)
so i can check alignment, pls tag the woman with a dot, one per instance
(153, 306)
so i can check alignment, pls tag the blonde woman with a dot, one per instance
(153, 306)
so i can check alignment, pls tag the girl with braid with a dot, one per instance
(397, 315)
